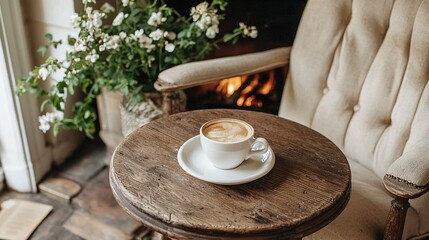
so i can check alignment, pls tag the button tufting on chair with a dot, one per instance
(325, 90)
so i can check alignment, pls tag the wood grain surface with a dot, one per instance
(307, 188)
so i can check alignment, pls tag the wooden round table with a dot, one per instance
(307, 188)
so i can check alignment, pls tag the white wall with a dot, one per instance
(52, 16)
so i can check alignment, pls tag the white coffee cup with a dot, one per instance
(227, 142)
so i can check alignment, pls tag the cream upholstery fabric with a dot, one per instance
(366, 213)
(408, 166)
(359, 74)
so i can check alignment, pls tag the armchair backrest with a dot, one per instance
(359, 74)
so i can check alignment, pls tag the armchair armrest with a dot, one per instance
(201, 72)
(408, 176)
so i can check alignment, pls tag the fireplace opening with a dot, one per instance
(258, 92)
(277, 22)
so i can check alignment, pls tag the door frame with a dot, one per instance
(25, 157)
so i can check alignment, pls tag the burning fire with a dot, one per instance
(228, 86)
(245, 89)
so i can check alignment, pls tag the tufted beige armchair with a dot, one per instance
(358, 73)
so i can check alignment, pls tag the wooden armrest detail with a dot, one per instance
(402, 188)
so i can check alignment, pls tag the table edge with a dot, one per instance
(181, 232)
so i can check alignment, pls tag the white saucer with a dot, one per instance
(194, 162)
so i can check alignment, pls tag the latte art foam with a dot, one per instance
(226, 131)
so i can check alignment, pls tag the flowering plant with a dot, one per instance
(126, 55)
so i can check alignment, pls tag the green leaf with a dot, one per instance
(181, 34)
(168, 59)
(71, 40)
(89, 132)
(43, 49)
(87, 114)
(71, 89)
(44, 103)
(56, 129)
(228, 37)
(48, 36)
(56, 101)
(56, 43)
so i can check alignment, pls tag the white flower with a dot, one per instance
(253, 32)
(127, 2)
(138, 33)
(145, 42)
(122, 35)
(92, 56)
(66, 64)
(169, 47)
(96, 19)
(156, 19)
(249, 31)
(202, 7)
(113, 42)
(59, 115)
(214, 19)
(208, 20)
(62, 106)
(80, 45)
(44, 123)
(139, 36)
(107, 8)
(156, 35)
(118, 19)
(93, 20)
(50, 117)
(88, 10)
(89, 38)
(75, 20)
(199, 10)
(103, 37)
(212, 31)
(46, 120)
(88, 1)
(43, 73)
(149, 47)
(204, 22)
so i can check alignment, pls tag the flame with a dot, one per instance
(228, 87)
(240, 101)
(268, 87)
(251, 86)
